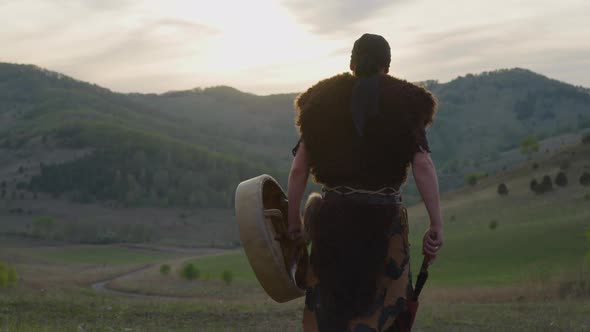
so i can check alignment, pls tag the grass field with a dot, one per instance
(531, 241)
(86, 311)
(527, 274)
(537, 236)
(105, 255)
(236, 262)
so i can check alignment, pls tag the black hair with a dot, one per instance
(370, 54)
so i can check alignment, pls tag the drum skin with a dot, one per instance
(261, 210)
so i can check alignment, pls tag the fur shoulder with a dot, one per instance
(418, 103)
(324, 90)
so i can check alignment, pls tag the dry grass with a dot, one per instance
(174, 226)
(70, 266)
(209, 288)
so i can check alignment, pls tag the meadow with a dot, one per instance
(509, 263)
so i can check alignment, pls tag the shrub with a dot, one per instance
(534, 185)
(543, 187)
(502, 189)
(585, 179)
(587, 197)
(165, 269)
(547, 183)
(493, 224)
(472, 178)
(535, 165)
(561, 179)
(43, 227)
(586, 139)
(565, 165)
(190, 272)
(8, 276)
(529, 145)
(227, 277)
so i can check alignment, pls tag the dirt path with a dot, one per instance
(103, 285)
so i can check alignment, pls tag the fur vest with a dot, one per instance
(381, 158)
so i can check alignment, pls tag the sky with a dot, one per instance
(281, 46)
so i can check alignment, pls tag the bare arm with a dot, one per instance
(427, 183)
(296, 188)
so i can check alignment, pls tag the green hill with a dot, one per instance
(134, 155)
(524, 237)
(498, 109)
(191, 148)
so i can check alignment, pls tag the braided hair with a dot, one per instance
(370, 55)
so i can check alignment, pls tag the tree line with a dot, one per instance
(133, 168)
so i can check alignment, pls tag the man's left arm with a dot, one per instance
(298, 177)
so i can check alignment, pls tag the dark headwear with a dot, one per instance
(370, 54)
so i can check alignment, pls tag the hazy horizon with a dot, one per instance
(267, 47)
(278, 92)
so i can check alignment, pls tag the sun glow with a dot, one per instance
(252, 37)
(271, 46)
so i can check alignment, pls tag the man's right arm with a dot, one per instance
(427, 182)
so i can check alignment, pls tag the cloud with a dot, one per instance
(530, 43)
(335, 16)
(91, 5)
(341, 51)
(104, 4)
(54, 19)
(154, 39)
(156, 55)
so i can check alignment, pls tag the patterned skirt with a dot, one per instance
(360, 276)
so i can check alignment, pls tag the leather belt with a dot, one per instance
(392, 199)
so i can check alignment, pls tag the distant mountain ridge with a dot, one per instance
(192, 147)
(516, 103)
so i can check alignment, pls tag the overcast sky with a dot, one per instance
(273, 46)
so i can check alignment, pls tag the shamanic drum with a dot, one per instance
(277, 261)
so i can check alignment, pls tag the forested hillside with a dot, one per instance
(481, 115)
(191, 148)
(133, 155)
